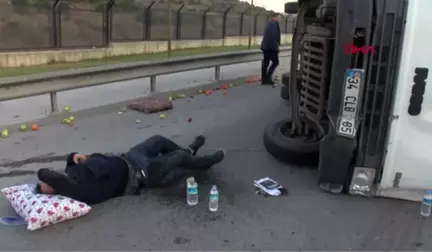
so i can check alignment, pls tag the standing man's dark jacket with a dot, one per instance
(272, 37)
(95, 180)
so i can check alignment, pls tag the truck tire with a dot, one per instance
(297, 150)
(285, 92)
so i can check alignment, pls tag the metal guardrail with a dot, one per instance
(53, 82)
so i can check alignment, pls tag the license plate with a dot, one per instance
(348, 118)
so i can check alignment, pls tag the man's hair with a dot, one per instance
(275, 14)
(38, 189)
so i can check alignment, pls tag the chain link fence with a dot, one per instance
(29, 27)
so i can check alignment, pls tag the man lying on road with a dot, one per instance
(97, 178)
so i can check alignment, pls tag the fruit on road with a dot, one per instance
(67, 108)
(170, 98)
(72, 118)
(23, 127)
(138, 121)
(208, 92)
(35, 127)
(162, 116)
(190, 119)
(66, 121)
(4, 133)
(200, 91)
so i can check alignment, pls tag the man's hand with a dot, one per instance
(78, 158)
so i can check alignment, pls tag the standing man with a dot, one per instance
(270, 47)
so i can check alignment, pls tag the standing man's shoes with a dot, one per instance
(267, 82)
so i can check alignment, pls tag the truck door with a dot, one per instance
(407, 168)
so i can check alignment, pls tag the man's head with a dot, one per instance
(276, 17)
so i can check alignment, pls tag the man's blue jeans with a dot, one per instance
(162, 160)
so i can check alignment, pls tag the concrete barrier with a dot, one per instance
(32, 58)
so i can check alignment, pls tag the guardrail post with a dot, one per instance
(148, 20)
(224, 25)
(53, 99)
(204, 24)
(107, 22)
(286, 24)
(217, 73)
(152, 84)
(179, 22)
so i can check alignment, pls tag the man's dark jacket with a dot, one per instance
(272, 37)
(95, 180)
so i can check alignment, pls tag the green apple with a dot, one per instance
(67, 108)
(162, 116)
(4, 133)
(72, 118)
(23, 127)
(138, 121)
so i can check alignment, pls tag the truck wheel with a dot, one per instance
(285, 92)
(294, 150)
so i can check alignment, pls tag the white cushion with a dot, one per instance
(40, 210)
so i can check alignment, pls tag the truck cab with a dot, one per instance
(359, 106)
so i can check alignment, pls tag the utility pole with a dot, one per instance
(250, 25)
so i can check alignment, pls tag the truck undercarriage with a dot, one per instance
(340, 93)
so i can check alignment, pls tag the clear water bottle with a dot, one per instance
(214, 199)
(192, 191)
(426, 204)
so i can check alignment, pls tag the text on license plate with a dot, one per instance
(347, 123)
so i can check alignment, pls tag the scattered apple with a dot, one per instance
(200, 91)
(66, 121)
(162, 116)
(72, 118)
(4, 133)
(170, 98)
(208, 92)
(120, 113)
(190, 119)
(35, 127)
(67, 108)
(23, 127)
(138, 121)
(231, 85)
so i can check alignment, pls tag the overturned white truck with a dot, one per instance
(360, 107)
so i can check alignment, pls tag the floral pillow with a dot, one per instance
(40, 210)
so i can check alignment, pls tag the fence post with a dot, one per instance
(250, 29)
(242, 21)
(256, 23)
(59, 28)
(286, 24)
(224, 25)
(107, 22)
(169, 28)
(179, 22)
(204, 24)
(148, 21)
(54, 22)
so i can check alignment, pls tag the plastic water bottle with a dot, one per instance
(427, 204)
(192, 191)
(214, 199)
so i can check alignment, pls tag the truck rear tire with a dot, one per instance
(285, 92)
(292, 150)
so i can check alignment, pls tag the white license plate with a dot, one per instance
(348, 122)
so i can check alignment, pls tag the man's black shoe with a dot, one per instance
(197, 144)
(267, 82)
(218, 156)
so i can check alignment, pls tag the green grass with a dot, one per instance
(17, 71)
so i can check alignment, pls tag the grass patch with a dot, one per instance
(54, 66)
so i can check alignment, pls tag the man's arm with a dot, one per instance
(58, 181)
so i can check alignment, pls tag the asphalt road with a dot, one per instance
(307, 219)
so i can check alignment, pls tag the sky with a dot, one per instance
(275, 5)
